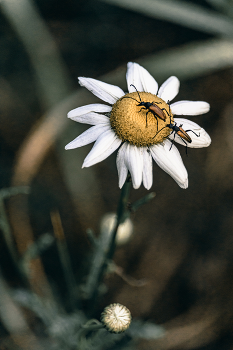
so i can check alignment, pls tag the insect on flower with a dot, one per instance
(179, 131)
(119, 125)
(151, 106)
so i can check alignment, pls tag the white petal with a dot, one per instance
(170, 161)
(121, 167)
(134, 162)
(105, 145)
(88, 136)
(92, 118)
(106, 92)
(190, 107)
(147, 176)
(203, 140)
(140, 78)
(169, 89)
(95, 107)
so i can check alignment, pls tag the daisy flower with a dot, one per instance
(141, 134)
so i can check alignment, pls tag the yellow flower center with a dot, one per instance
(139, 125)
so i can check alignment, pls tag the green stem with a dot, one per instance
(5, 226)
(7, 234)
(122, 214)
(90, 326)
(105, 249)
(93, 324)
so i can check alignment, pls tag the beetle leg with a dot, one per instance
(164, 109)
(186, 145)
(155, 117)
(157, 123)
(173, 139)
(172, 142)
(141, 109)
(193, 132)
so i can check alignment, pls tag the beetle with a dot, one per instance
(180, 132)
(151, 106)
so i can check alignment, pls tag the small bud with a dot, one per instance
(124, 231)
(116, 318)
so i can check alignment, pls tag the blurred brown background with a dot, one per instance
(182, 243)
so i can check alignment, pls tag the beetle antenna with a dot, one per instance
(137, 91)
(159, 131)
(131, 98)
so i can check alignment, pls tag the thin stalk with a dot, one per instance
(122, 214)
(64, 258)
(6, 229)
(105, 249)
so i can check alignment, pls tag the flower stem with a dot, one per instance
(105, 248)
(92, 324)
(122, 214)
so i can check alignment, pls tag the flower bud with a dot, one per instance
(116, 318)
(124, 232)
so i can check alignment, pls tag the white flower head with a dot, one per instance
(142, 124)
(116, 318)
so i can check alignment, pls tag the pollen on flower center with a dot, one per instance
(138, 125)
